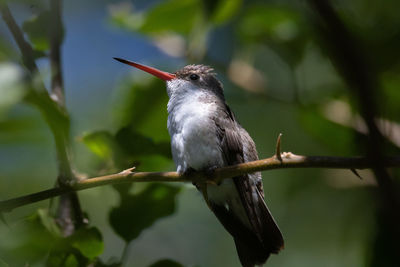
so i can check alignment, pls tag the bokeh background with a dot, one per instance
(278, 77)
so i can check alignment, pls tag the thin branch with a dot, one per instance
(24, 46)
(57, 89)
(69, 213)
(56, 34)
(26, 49)
(289, 160)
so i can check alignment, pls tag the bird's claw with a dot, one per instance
(207, 177)
(209, 174)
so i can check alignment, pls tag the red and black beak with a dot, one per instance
(166, 76)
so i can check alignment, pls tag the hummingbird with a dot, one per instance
(205, 135)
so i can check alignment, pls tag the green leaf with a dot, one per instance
(88, 241)
(63, 257)
(80, 249)
(260, 21)
(136, 144)
(166, 263)
(143, 107)
(123, 16)
(390, 86)
(138, 212)
(278, 26)
(127, 148)
(102, 144)
(225, 10)
(56, 258)
(173, 15)
(143, 134)
(38, 30)
(49, 222)
(27, 241)
(141, 101)
(113, 262)
(71, 261)
(56, 117)
(12, 89)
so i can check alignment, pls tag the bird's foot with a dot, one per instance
(209, 174)
(189, 172)
(205, 177)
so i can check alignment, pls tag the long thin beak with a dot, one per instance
(166, 76)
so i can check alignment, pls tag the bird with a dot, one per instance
(205, 135)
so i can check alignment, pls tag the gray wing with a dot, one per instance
(265, 236)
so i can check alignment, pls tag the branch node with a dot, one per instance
(66, 183)
(278, 148)
(356, 173)
(288, 155)
(128, 171)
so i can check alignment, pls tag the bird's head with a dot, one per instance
(189, 78)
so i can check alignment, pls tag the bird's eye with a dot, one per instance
(194, 77)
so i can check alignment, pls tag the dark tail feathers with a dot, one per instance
(251, 254)
(252, 250)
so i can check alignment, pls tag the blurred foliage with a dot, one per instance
(131, 145)
(277, 78)
(224, 10)
(132, 215)
(38, 237)
(165, 17)
(12, 87)
(324, 131)
(3, 263)
(39, 35)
